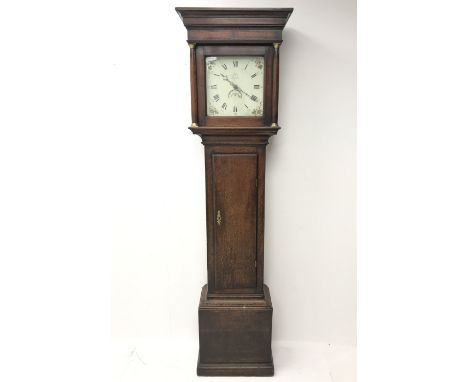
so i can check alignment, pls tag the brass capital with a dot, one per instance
(276, 45)
(191, 45)
(274, 124)
(193, 124)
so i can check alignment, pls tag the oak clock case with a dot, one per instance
(234, 76)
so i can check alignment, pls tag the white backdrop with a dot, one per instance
(158, 202)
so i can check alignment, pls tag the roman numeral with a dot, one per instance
(256, 86)
(253, 98)
(224, 106)
(246, 106)
(216, 97)
(224, 66)
(246, 66)
(214, 86)
(234, 109)
(253, 75)
(235, 63)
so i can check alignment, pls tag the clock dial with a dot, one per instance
(234, 86)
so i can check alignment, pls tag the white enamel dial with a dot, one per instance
(234, 86)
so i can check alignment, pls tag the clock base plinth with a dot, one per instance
(235, 336)
(235, 369)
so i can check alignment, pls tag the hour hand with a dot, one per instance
(236, 87)
(225, 78)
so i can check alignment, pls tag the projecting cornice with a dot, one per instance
(234, 25)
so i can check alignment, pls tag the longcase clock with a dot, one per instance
(234, 67)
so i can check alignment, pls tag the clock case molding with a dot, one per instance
(235, 310)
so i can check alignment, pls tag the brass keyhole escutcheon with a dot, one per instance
(218, 217)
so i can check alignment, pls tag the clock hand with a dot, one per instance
(225, 78)
(248, 95)
(236, 87)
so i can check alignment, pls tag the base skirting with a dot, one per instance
(235, 369)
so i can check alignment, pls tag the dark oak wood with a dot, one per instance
(235, 141)
(234, 25)
(235, 310)
(245, 220)
(235, 200)
(275, 90)
(193, 84)
(245, 328)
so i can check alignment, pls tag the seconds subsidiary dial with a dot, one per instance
(234, 86)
